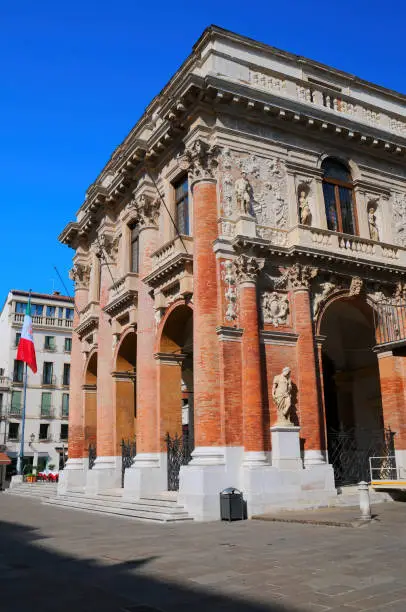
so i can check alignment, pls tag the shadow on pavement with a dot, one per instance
(34, 577)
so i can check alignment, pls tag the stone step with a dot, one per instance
(119, 499)
(129, 504)
(134, 512)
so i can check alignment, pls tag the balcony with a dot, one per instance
(15, 412)
(123, 295)
(47, 412)
(4, 383)
(172, 270)
(347, 246)
(43, 322)
(49, 381)
(89, 319)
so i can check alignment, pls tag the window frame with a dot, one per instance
(337, 183)
(134, 230)
(18, 366)
(64, 412)
(66, 369)
(69, 340)
(46, 363)
(47, 428)
(17, 427)
(64, 426)
(180, 200)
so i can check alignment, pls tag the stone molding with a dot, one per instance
(229, 334)
(278, 337)
(170, 358)
(80, 275)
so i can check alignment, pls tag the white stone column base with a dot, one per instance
(400, 456)
(286, 448)
(16, 480)
(147, 476)
(73, 475)
(105, 474)
(211, 470)
(314, 457)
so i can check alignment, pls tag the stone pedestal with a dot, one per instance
(286, 448)
(147, 476)
(105, 474)
(245, 226)
(73, 475)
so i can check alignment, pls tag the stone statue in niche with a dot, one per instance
(282, 396)
(304, 208)
(243, 194)
(373, 228)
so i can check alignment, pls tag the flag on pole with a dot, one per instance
(26, 348)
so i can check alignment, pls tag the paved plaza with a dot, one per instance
(56, 559)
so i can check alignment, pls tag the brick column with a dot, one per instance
(309, 408)
(80, 275)
(206, 350)
(253, 417)
(392, 372)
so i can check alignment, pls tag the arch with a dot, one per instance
(171, 339)
(124, 375)
(363, 305)
(90, 399)
(344, 159)
(350, 382)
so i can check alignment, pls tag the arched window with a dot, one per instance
(339, 197)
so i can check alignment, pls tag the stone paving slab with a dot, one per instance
(68, 561)
(335, 517)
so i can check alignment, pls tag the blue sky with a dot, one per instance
(76, 76)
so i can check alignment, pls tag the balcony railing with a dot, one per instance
(172, 249)
(15, 411)
(65, 413)
(49, 381)
(4, 382)
(47, 412)
(43, 321)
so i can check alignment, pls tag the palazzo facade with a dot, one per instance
(253, 219)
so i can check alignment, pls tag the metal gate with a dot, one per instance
(128, 452)
(92, 452)
(179, 453)
(349, 452)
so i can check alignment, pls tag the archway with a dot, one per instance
(352, 395)
(175, 380)
(125, 390)
(90, 402)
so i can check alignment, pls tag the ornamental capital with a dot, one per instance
(300, 276)
(107, 248)
(246, 269)
(148, 210)
(80, 275)
(200, 161)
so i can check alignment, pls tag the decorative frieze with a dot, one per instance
(399, 218)
(229, 277)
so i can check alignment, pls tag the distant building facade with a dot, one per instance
(47, 407)
(253, 220)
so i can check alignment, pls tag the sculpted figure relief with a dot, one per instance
(243, 194)
(282, 396)
(304, 209)
(326, 288)
(373, 228)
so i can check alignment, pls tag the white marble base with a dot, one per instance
(286, 448)
(245, 226)
(73, 475)
(16, 480)
(147, 476)
(401, 463)
(105, 474)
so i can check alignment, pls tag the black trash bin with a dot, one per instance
(231, 505)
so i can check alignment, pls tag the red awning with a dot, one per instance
(4, 459)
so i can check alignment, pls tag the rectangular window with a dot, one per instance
(66, 375)
(182, 206)
(51, 310)
(46, 404)
(15, 408)
(330, 204)
(43, 431)
(18, 374)
(37, 310)
(135, 248)
(64, 431)
(49, 343)
(68, 345)
(65, 405)
(60, 312)
(13, 431)
(47, 373)
(1, 403)
(1, 371)
(20, 307)
(18, 336)
(69, 314)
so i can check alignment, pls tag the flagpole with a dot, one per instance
(20, 459)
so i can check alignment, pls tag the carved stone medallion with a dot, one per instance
(275, 308)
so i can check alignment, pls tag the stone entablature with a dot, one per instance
(89, 319)
(123, 296)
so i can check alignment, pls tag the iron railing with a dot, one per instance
(350, 451)
(179, 453)
(128, 452)
(92, 452)
(390, 322)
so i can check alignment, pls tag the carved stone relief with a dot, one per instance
(200, 161)
(356, 286)
(246, 268)
(229, 277)
(323, 291)
(275, 308)
(399, 218)
(300, 276)
(80, 275)
(263, 186)
(372, 220)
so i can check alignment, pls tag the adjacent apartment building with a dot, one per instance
(47, 412)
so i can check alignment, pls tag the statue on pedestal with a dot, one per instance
(243, 194)
(373, 228)
(304, 208)
(282, 396)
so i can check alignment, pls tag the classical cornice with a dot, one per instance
(168, 269)
(121, 303)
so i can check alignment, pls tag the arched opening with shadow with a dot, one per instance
(352, 395)
(175, 380)
(125, 390)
